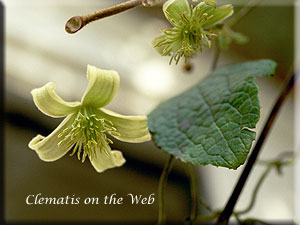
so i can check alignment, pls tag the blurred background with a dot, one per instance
(38, 50)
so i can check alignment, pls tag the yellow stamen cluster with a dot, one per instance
(88, 134)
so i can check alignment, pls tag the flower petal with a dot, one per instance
(102, 161)
(159, 42)
(202, 8)
(48, 102)
(103, 87)
(210, 2)
(132, 129)
(165, 44)
(173, 10)
(220, 14)
(47, 147)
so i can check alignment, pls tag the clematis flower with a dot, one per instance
(87, 124)
(192, 27)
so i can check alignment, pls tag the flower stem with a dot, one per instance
(227, 212)
(243, 12)
(193, 191)
(161, 189)
(217, 53)
(235, 20)
(75, 23)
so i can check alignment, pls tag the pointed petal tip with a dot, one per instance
(118, 158)
(92, 70)
(132, 129)
(47, 147)
(34, 145)
(49, 103)
(34, 141)
(102, 162)
(49, 85)
(102, 88)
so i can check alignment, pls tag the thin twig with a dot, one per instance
(255, 191)
(193, 192)
(237, 218)
(75, 23)
(227, 212)
(255, 221)
(277, 164)
(161, 190)
(206, 219)
(243, 12)
(235, 20)
(205, 205)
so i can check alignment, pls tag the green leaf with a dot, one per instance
(208, 124)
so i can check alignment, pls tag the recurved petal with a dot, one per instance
(174, 9)
(48, 102)
(166, 44)
(132, 129)
(159, 42)
(210, 2)
(219, 14)
(104, 161)
(103, 87)
(203, 8)
(47, 147)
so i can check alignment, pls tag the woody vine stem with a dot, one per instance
(76, 23)
(227, 212)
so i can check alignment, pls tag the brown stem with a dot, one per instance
(75, 23)
(227, 212)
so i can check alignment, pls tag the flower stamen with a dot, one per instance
(192, 28)
(88, 134)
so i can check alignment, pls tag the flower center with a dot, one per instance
(189, 32)
(88, 133)
(193, 32)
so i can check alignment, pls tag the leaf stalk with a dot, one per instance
(161, 190)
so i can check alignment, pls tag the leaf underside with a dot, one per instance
(209, 123)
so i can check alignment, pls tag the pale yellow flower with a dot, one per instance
(87, 124)
(192, 27)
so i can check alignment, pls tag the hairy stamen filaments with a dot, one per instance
(88, 134)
